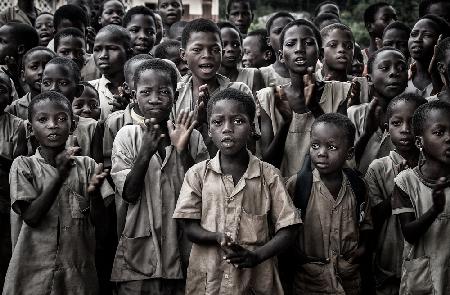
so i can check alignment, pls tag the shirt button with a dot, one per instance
(227, 276)
(228, 233)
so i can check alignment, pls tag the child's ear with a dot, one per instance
(350, 153)
(419, 142)
(183, 54)
(29, 127)
(99, 20)
(79, 90)
(369, 79)
(280, 54)
(22, 78)
(267, 55)
(268, 41)
(386, 126)
(129, 52)
(379, 42)
(21, 49)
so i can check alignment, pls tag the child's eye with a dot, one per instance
(46, 83)
(63, 83)
(42, 119)
(215, 122)
(438, 132)
(93, 105)
(165, 92)
(62, 119)
(396, 123)
(332, 147)
(238, 121)
(314, 146)
(310, 43)
(196, 49)
(144, 92)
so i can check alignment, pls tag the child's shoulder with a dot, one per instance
(128, 130)
(114, 117)
(357, 113)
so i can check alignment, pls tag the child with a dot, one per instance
(112, 48)
(17, 39)
(171, 12)
(442, 60)
(111, 13)
(149, 160)
(44, 28)
(170, 49)
(231, 58)
(396, 35)
(240, 14)
(33, 64)
(257, 52)
(376, 17)
(336, 218)
(201, 49)
(59, 198)
(286, 118)
(70, 43)
(388, 74)
(235, 208)
(140, 22)
(176, 30)
(330, 7)
(63, 75)
(88, 104)
(421, 200)
(380, 182)
(437, 7)
(338, 45)
(13, 140)
(276, 73)
(423, 38)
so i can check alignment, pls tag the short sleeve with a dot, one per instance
(122, 159)
(282, 210)
(21, 185)
(189, 204)
(373, 188)
(401, 202)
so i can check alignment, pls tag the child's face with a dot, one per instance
(232, 47)
(59, 78)
(328, 8)
(241, 15)
(154, 95)
(44, 28)
(5, 92)
(229, 126)
(143, 32)
(87, 105)
(8, 44)
(253, 56)
(398, 39)
(275, 31)
(170, 11)
(436, 136)
(383, 17)
(400, 128)
(73, 48)
(66, 23)
(173, 54)
(422, 40)
(113, 12)
(33, 67)
(300, 49)
(203, 54)
(338, 50)
(389, 74)
(109, 53)
(441, 9)
(329, 148)
(51, 124)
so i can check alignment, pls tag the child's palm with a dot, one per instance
(180, 132)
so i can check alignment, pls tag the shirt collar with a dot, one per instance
(253, 168)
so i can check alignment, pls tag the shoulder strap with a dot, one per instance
(303, 186)
(359, 189)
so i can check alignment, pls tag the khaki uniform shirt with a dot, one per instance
(249, 212)
(57, 255)
(105, 95)
(271, 77)
(84, 134)
(19, 107)
(149, 246)
(330, 230)
(389, 242)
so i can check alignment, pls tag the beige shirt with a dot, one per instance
(248, 212)
(389, 242)
(379, 144)
(299, 135)
(411, 88)
(84, 134)
(431, 254)
(270, 76)
(105, 95)
(19, 107)
(57, 255)
(149, 245)
(246, 76)
(330, 230)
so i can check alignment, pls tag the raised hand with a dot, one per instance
(202, 103)
(120, 101)
(180, 131)
(152, 135)
(282, 103)
(354, 94)
(312, 92)
(98, 178)
(373, 117)
(64, 161)
(438, 194)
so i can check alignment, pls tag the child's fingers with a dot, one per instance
(183, 118)
(189, 118)
(99, 169)
(179, 117)
(170, 126)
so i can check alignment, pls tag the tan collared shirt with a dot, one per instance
(149, 245)
(271, 77)
(19, 107)
(105, 95)
(250, 212)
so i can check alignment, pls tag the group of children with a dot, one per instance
(200, 158)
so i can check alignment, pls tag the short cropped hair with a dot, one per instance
(70, 64)
(418, 100)
(92, 87)
(324, 17)
(70, 12)
(174, 28)
(37, 48)
(423, 112)
(441, 49)
(198, 25)
(299, 23)
(137, 10)
(236, 95)
(369, 13)
(397, 26)
(119, 33)
(136, 58)
(279, 14)
(341, 122)
(49, 96)
(375, 54)
(24, 34)
(67, 32)
(325, 32)
(161, 49)
(323, 3)
(159, 65)
(223, 25)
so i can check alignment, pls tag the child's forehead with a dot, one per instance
(228, 107)
(338, 33)
(300, 31)
(44, 18)
(112, 4)
(160, 2)
(108, 37)
(57, 71)
(72, 40)
(388, 55)
(395, 33)
(203, 38)
(150, 77)
(141, 19)
(280, 21)
(50, 107)
(328, 130)
(229, 32)
(37, 55)
(88, 92)
(425, 24)
(240, 5)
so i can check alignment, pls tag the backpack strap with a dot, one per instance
(359, 188)
(303, 186)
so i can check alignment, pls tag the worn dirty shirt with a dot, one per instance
(105, 96)
(271, 77)
(19, 107)
(249, 212)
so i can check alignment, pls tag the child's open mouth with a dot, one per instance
(300, 61)
(206, 68)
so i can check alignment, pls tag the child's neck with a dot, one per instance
(411, 156)
(372, 46)
(433, 169)
(281, 69)
(116, 80)
(333, 75)
(50, 154)
(230, 72)
(33, 92)
(333, 182)
(234, 165)
(421, 78)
